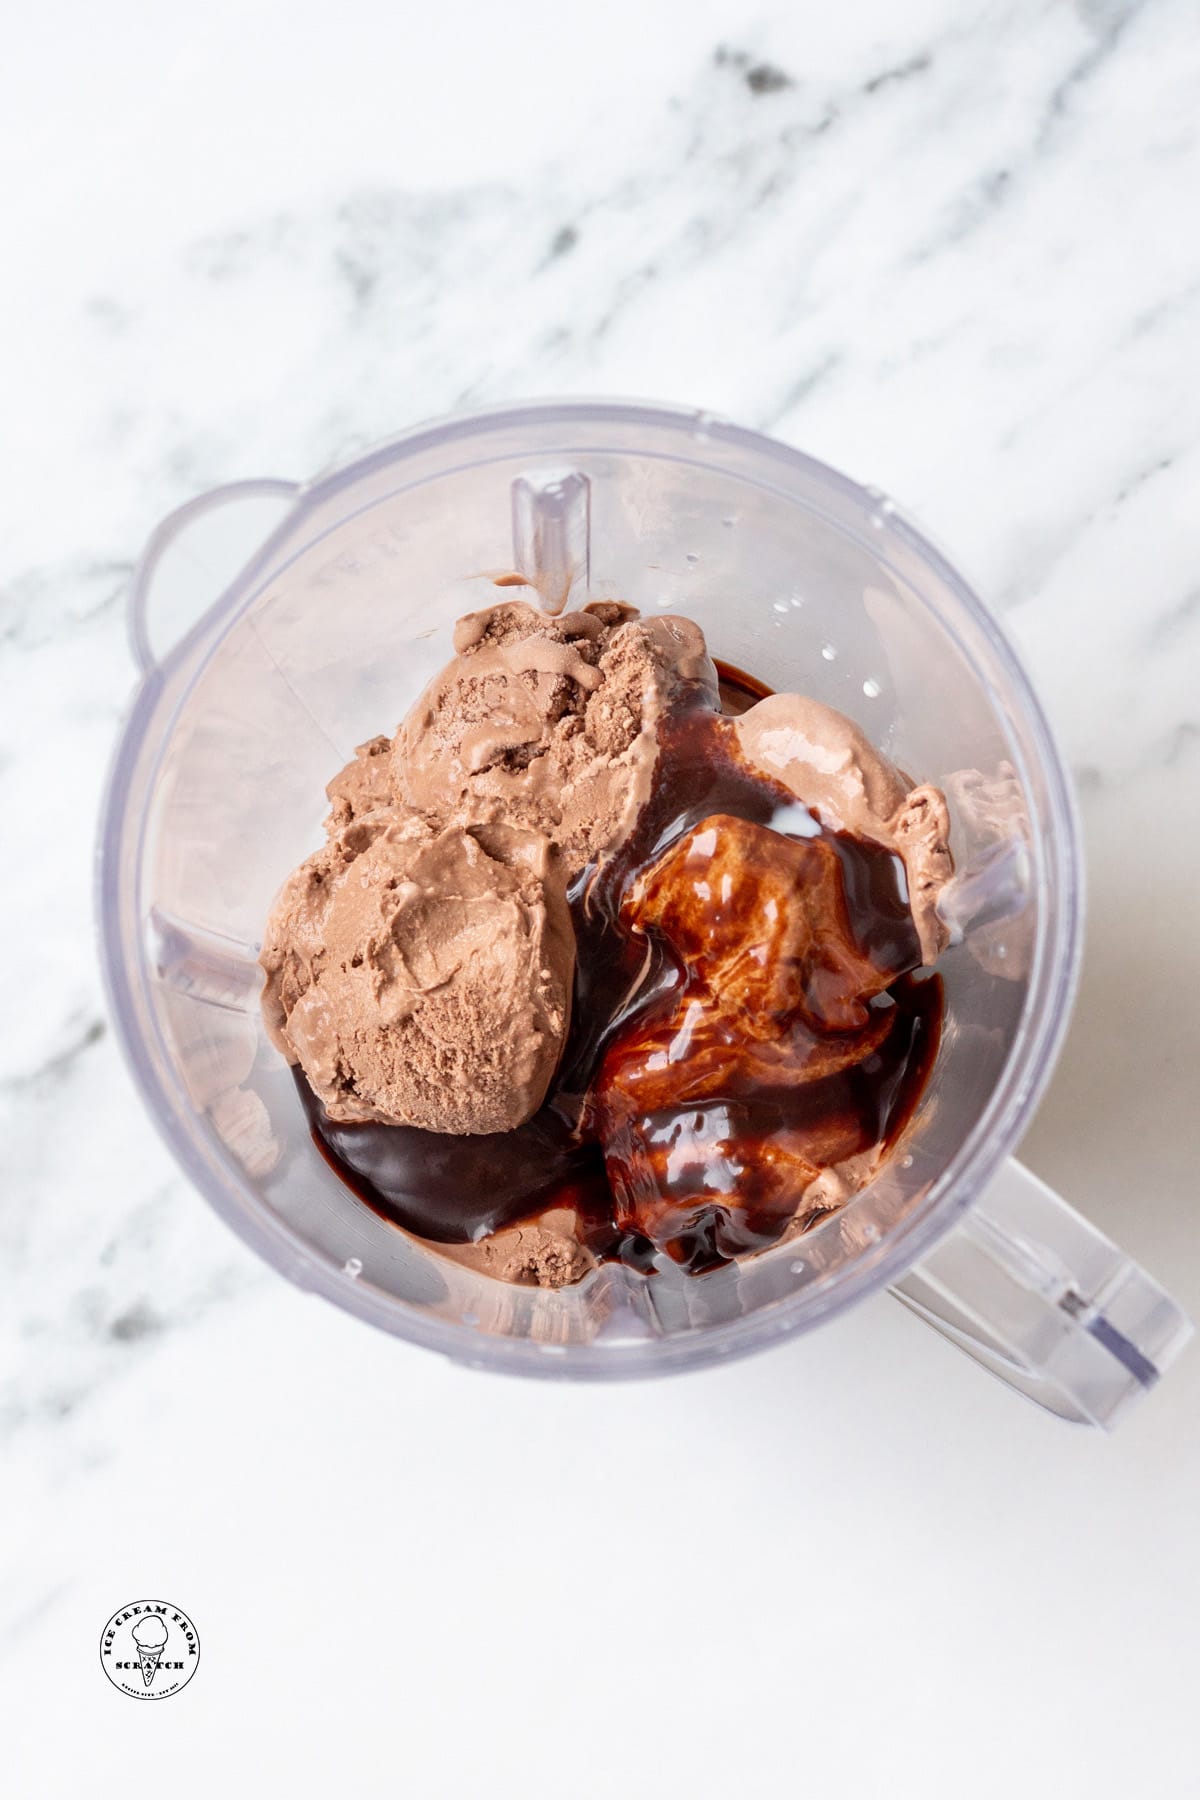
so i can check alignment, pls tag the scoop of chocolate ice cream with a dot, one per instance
(549, 722)
(831, 766)
(422, 975)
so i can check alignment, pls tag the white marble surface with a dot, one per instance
(950, 248)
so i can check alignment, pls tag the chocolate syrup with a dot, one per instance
(739, 691)
(713, 1167)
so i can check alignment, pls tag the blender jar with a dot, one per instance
(277, 626)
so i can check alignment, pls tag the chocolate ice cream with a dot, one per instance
(363, 786)
(590, 969)
(422, 973)
(829, 764)
(548, 722)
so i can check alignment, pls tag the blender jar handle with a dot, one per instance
(194, 555)
(1031, 1290)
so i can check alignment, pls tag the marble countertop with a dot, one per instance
(946, 248)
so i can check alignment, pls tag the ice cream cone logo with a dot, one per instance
(150, 1636)
(150, 1649)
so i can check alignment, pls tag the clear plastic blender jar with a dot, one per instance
(278, 626)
